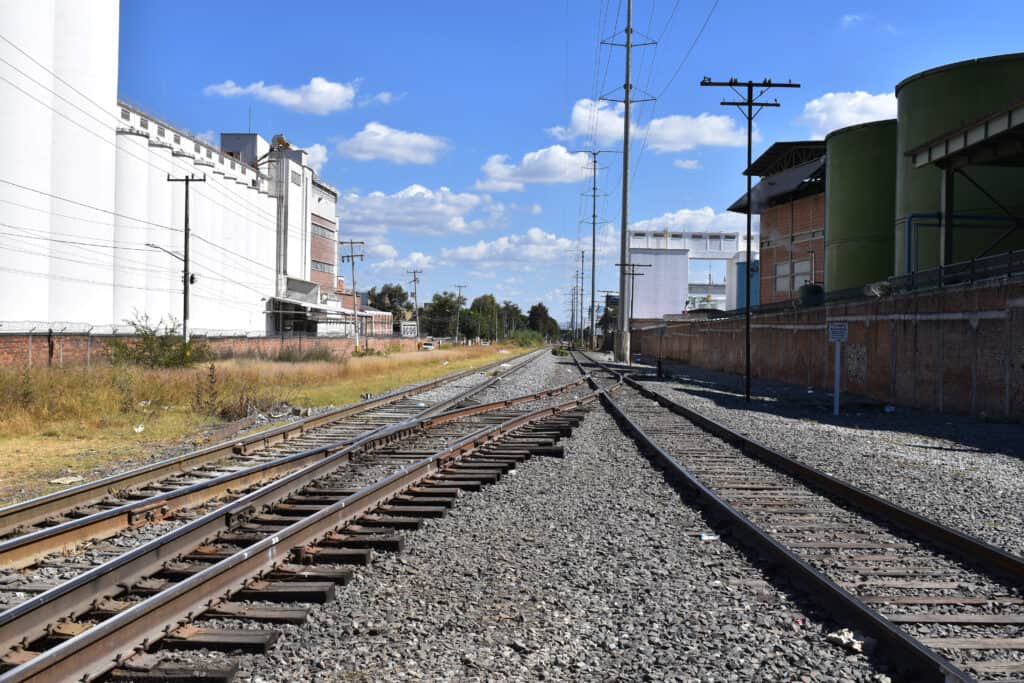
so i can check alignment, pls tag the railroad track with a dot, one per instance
(940, 604)
(60, 521)
(285, 543)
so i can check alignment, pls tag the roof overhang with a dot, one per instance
(799, 181)
(783, 155)
(995, 140)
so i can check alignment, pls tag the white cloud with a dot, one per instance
(686, 164)
(415, 259)
(535, 245)
(319, 96)
(316, 156)
(209, 137)
(377, 141)
(693, 219)
(678, 133)
(383, 97)
(840, 109)
(417, 209)
(673, 133)
(382, 251)
(553, 164)
(849, 20)
(536, 209)
(602, 119)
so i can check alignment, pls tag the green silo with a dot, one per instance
(860, 195)
(931, 104)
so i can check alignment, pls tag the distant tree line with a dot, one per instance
(484, 317)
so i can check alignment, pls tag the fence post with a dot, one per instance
(88, 348)
(30, 346)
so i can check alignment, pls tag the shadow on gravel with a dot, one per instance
(802, 403)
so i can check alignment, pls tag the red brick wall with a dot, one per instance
(955, 350)
(79, 349)
(785, 234)
(323, 249)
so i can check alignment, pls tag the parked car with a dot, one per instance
(485, 342)
(427, 346)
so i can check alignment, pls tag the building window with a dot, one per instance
(296, 178)
(322, 267)
(126, 115)
(232, 165)
(160, 131)
(802, 273)
(177, 139)
(243, 170)
(220, 159)
(782, 277)
(144, 123)
(323, 232)
(209, 154)
(197, 147)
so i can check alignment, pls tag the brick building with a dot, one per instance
(790, 200)
(323, 245)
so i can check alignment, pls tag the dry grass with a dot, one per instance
(83, 421)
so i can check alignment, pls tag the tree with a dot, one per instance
(437, 317)
(484, 311)
(540, 320)
(392, 298)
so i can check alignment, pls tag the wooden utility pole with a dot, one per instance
(186, 278)
(352, 256)
(415, 297)
(750, 106)
(458, 310)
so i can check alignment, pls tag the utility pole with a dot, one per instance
(582, 276)
(747, 105)
(631, 271)
(593, 236)
(622, 335)
(572, 310)
(415, 297)
(352, 256)
(186, 278)
(458, 309)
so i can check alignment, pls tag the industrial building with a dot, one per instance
(790, 200)
(923, 252)
(94, 226)
(665, 285)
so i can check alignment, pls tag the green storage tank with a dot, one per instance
(860, 194)
(933, 103)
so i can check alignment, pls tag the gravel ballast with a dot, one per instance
(964, 472)
(583, 568)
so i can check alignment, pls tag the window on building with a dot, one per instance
(177, 139)
(220, 159)
(243, 170)
(160, 131)
(802, 273)
(782, 277)
(232, 165)
(209, 154)
(126, 115)
(322, 266)
(323, 232)
(144, 123)
(297, 178)
(197, 147)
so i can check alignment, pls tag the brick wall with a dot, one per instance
(954, 350)
(794, 230)
(80, 349)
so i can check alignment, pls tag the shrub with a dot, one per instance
(527, 338)
(157, 345)
(313, 353)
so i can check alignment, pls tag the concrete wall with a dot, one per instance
(81, 349)
(954, 350)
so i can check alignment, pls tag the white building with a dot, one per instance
(92, 227)
(666, 288)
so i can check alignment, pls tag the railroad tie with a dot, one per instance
(225, 640)
(143, 668)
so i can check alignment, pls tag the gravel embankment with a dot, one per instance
(587, 568)
(964, 472)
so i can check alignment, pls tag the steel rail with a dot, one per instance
(47, 506)
(27, 621)
(904, 649)
(95, 651)
(28, 548)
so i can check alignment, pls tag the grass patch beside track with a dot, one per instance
(84, 422)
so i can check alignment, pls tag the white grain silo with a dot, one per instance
(131, 201)
(82, 162)
(163, 269)
(26, 119)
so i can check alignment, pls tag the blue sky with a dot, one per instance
(448, 126)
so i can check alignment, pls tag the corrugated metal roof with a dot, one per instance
(783, 155)
(799, 181)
